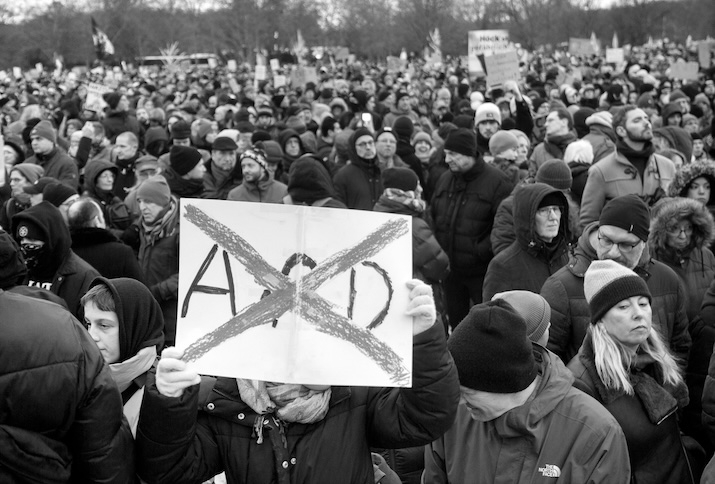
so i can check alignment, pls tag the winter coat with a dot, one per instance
(311, 184)
(176, 446)
(602, 139)
(689, 172)
(463, 208)
(219, 189)
(429, 262)
(57, 164)
(159, 260)
(60, 414)
(561, 435)
(181, 187)
(694, 266)
(126, 178)
(571, 316)
(528, 261)
(103, 251)
(655, 450)
(407, 154)
(118, 122)
(116, 214)
(358, 184)
(547, 150)
(62, 272)
(579, 175)
(614, 176)
(703, 333)
(266, 190)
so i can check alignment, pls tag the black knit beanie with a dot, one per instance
(183, 159)
(491, 350)
(402, 178)
(461, 141)
(628, 212)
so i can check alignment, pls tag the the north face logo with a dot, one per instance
(550, 470)
(489, 116)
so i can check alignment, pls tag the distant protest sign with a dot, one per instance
(705, 52)
(485, 42)
(582, 47)
(279, 80)
(260, 73)
(275, 64)
(686, 71)
(502, 67)
(615, 56)
(94, 101)
(297, 294)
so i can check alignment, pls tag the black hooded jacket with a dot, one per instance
(358, 184)
(310, 184)
(59, 269)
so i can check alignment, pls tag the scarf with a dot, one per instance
(161, 228)
(125, 372)
(219, 174)
(638, 158)
(409, 198)
(289, 402)
(556, 145)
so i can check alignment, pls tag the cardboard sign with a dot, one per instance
(302, 75)
(17, 72)
(275, 64)
(260, 73)
(686, 71)
(394, 64)
(343, 53)
(279, 80)
(582, 47)
(615, 56)
(502, 67)
(231, 65)
(94, 101)
(297, 295)
(485, 42)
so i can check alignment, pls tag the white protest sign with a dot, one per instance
(231, 65)
(279, 80)
(502, 67)
(260, 73)
(343, 53)
(297, 295)
(615, 56)
(213, 63)
(302, 75)
(485, 42)
(275, 64)
(684, 70)
(17, 72)
(705, 50)
(94, 101)
(39, 67)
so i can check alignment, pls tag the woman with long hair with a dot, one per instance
(624, 364)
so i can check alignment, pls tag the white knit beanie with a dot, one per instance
(607, 283)
(487, 112)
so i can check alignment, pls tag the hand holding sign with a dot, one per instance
(173, 376)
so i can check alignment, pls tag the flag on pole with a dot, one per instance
(102, 45)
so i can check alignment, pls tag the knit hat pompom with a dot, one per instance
(491, 350)
(606, 283)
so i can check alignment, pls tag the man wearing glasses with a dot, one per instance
(620, 234)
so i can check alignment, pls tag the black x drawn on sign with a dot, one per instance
(300, 295)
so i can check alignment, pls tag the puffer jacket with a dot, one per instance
(571, 317)
(528, 261)
(463, 209)
(655, 450)
(176, 446)
(561, 436)
(614, 176)
(429, 262)
(695, 265)
(60, 411)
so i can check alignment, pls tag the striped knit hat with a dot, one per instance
(607, 283)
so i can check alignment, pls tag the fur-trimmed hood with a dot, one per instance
(668, 211)
(688, 173)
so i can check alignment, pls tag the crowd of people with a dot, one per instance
(563, 299)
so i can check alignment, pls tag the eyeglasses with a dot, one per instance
(365, 144)
(676, 231)
(624, 247)
(546, 211)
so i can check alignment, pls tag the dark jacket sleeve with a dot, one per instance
(429, 258)
(503, 233)
(484, 247)
(707, 318)
(174, 444)
(524, 121)
(403, 417)
(555, 294)
(680, 341)
(83, 150)
(101, 439)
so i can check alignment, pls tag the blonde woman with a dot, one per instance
(624, 364)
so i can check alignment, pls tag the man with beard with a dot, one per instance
(620, 234)
(51, 264)
(258, 183)
(632, 168)
(559, 134)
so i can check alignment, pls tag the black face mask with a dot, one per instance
(33, 254)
